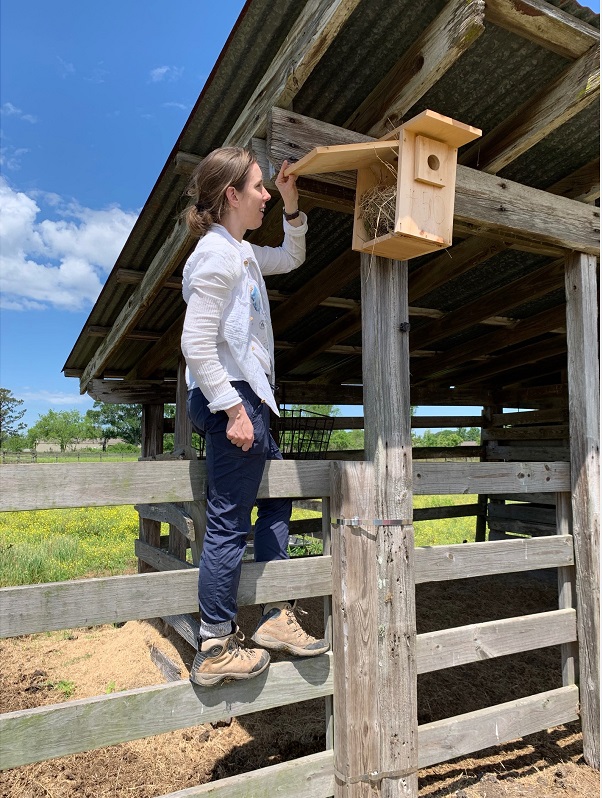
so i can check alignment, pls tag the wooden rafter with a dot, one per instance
(544, 24)
(166, 349)
(437, 48)
(538, 283)
(572, 91)
(525, 329)
(524, 356)
(310, 36)
(582, 185)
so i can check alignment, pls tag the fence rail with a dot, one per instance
(49, 486)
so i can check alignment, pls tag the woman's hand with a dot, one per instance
(239, 429)
(288, 190)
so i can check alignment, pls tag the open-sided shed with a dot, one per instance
(504, 318)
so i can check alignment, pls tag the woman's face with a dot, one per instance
(251, 201)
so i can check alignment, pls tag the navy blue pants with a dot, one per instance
(233, 478)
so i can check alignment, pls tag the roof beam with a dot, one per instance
(97, 331)
(310, 36)
(168, 346)
(572, 91)
(438, 47)
(162, 266)
(116, 392)
(534, 285)
(544, 24)
(523, 217)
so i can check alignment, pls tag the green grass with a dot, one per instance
(55, 545)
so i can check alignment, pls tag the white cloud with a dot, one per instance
(10, 157)
(165, 73)
(56, 262)
(181, 106)
(54, 397)
(65, 67)
(8, 109)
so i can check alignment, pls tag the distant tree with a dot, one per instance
(10, 415)
(65, 427)
(16, 443)
(116, 421)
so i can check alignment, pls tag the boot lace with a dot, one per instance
(236, 647)
(292, 612)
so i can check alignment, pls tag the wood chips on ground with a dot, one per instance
(48, 668)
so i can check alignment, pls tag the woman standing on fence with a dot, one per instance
(229, 350)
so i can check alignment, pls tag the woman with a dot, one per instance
(229, 349)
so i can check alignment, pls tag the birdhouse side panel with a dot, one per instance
(425, 189)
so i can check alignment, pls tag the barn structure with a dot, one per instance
(505, 318)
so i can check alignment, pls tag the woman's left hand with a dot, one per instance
(287, 188)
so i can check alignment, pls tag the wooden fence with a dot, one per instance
(58, 730)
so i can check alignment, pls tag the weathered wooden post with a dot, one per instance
(583, 374)
(152, 444)
(374, 624)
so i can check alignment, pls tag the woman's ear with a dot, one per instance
(232, 197)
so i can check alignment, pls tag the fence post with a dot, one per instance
(374, 622)
(152, 443)
(584, 394)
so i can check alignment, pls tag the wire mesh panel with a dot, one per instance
(304, 434)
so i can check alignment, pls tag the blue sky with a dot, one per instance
(92, 97)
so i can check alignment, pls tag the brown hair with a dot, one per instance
(226, 166)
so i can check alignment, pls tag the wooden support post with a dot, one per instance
(566, 589)
(152, 443)
(583, 371)
(486, 423)
(182, 437)
(374, 624)
(327, 550)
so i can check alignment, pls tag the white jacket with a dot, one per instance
(217, 325)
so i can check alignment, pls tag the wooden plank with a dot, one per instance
(434, 513)
(534, 498)
(556, 432)
(340, 329)
(311, 34)
(307, 777)
(158, 559)
(544, 24)
(566, 589)
(571, 92)
(533, 452)
(467, 560)
(517, 527)
(449, 648)
(185, 625)
(113, 599)
(54, 486)
(523, 512)
(166, 666)
(436, 49)
(488, 204)
(162, 350)
(62, 729)
(584, 404)
(152, 444)
(490, 478)
(168, 514)
(474, 731)
(530, 417)
(112, 391)
(447, 422)
(173, 251)
(521, 216)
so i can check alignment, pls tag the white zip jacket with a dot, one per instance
(217, 325)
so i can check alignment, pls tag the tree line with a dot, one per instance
(123, 422)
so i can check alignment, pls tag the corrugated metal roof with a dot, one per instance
(488, 82)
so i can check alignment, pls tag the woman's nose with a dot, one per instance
(266, 195)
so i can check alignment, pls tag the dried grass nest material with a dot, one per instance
(377, 209)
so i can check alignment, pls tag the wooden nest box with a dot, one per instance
(404, 200)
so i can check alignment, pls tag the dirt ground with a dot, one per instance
(58, 666)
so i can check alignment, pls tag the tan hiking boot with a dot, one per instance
(220, 659)
(279, 630)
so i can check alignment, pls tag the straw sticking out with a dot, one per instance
(377, 209)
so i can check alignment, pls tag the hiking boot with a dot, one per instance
(279, 630)
(220, 659)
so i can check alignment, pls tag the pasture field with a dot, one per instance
(54, 545)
